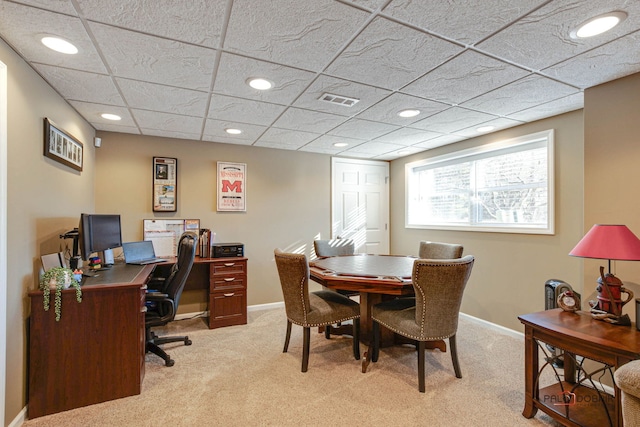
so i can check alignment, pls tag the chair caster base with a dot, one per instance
(187, 341)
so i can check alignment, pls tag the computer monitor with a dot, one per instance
(99, 233)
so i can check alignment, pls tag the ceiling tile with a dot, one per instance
(307, 36)
(387, 110)
(389, 55)
(542, 38)
(559, 106)
(107, 127)
(170, 134)
(81, 86)
(234, 72)
(153, 59)
(453, 119)
(312, 121)
(151, 96)
(466, 21)
(324, 144)
(521, 94)
(15, 20)
(167, 122)
(285, 139)
(92, 112)
(214, 130)
(373, 148)
(243, 110)
(464, 77)
(62, 6)
(407, 136)
(439, 141)
(368, 95)
(609, 62)
(200, 23)
(362, 129)
(499, 123)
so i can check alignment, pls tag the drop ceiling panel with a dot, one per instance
(92, 111)
(390, 55)
(559, 106)
(309, 39)
(81, 86)
(235, 70)
(500, 123)
(154, 59)
(453, 119)
(312, 121)
(466, 21)
(387, 110)
(407, 136)
(214, 130)
(602, 64)
(285, 138)
(368, 95)
(464, 77)
(324, 144)
(243, 110)
(362, 129)
(168, 99)
(540, 39)
(199, 22)
(373, 149)
(17, 26)
(521, 94)
(168, 122)
(171, 134)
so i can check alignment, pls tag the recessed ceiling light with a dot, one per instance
(110, 116)
(485, 128)
(232, 131)
(598, 25)
(340, 144)
(408, 113)
(260, 84)
(59, 45)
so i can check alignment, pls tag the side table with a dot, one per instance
(575, 401)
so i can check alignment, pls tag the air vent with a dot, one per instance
(339, 100)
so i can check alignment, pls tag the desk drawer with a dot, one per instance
(227, 308)
(231, 281)
(228, 267)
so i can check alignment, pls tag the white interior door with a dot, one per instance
(360, 203)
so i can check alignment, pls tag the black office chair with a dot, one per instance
(162, 303)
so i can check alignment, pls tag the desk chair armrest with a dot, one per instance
(156, 296)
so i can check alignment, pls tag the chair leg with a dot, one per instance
(356, 339)
(305, 348)
(286, 340)
(421, 346)
(375, 348)
(454, 356)
(327, 332)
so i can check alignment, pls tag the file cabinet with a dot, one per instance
(227, 292)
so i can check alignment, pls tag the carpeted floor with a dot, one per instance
(238, 376)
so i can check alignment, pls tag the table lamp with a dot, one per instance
(610, 242)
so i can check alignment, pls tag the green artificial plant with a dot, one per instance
(57, 277)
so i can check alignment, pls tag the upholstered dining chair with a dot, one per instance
(312, 309)
(334, 247)
(439, 286)
(438, 250)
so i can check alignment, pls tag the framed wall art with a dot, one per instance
(61, 146)
(232, 187)
(165, 184)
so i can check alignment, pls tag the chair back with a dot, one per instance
(438, 250)
(185, 257)
(439, 286)
(293, 270)
(334, 247)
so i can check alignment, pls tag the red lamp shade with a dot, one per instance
(615, 242)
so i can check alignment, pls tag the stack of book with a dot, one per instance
(205, 243)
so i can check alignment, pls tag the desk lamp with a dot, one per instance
(610, 242)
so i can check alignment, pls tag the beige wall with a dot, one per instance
(510, 269)
(288, 199)
(612, 151)
(45, 199)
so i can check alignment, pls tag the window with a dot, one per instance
(505, 186)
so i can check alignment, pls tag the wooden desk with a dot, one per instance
(576, 334)
(96, 351)
(376, 277)
(226, 282)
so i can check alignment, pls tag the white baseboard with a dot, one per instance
(258, 307)
(20, 418)
(494, 326)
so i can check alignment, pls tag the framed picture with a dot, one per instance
(165, 184)
(232, 186)
(62, 147)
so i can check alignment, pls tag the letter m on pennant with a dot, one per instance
(235, 186)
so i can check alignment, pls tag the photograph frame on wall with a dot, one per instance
(232, 187)
(62, 147)
(165, 184)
